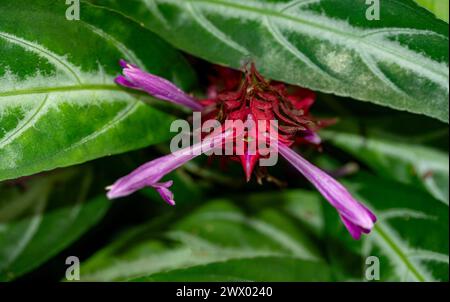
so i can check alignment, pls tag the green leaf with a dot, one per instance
(414, 164)
(219, 241)
(252, 269)
(43, 217)
(410, 238)
(59, 105)
(399, 61)
(438, 7)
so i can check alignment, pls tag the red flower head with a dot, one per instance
(233, 96)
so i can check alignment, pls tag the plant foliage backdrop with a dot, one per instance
(67, 130)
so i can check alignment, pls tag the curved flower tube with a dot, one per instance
(149, 174)
(356, 217)
(156, 86)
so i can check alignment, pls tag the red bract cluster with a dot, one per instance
(233, 95)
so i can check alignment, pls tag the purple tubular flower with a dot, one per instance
(149, 174)
(158, 87)
(355, 216)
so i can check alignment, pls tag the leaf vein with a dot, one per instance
(368, 60)
(291, 48)
(129, 54)
(44, 52)
(24, 125)
(120, 116)
(213, 30)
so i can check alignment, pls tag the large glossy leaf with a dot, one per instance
(58, 102)
(41, 216)
(410, 238)
(408, 163)
(400, 61)
(219, 241)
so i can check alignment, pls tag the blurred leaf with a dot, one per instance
(45, 216)
(438, 7)
(410, 238)
(59, 104)
(252, 269)
(408, 163)
(399, 61)
(302, 206)
(219, 241)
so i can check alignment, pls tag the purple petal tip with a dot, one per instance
(123, 63)
(123, 81)
(163, 190)
(156, 86)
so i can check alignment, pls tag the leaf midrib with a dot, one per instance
(397, 250)
(278, 14)
(40, 90)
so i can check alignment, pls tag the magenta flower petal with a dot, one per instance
(163, 190)
(124, 63)
(121, 80)
(149, 174)
(312, 137)
(354, 230)
(156, 86)
(355, 216)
